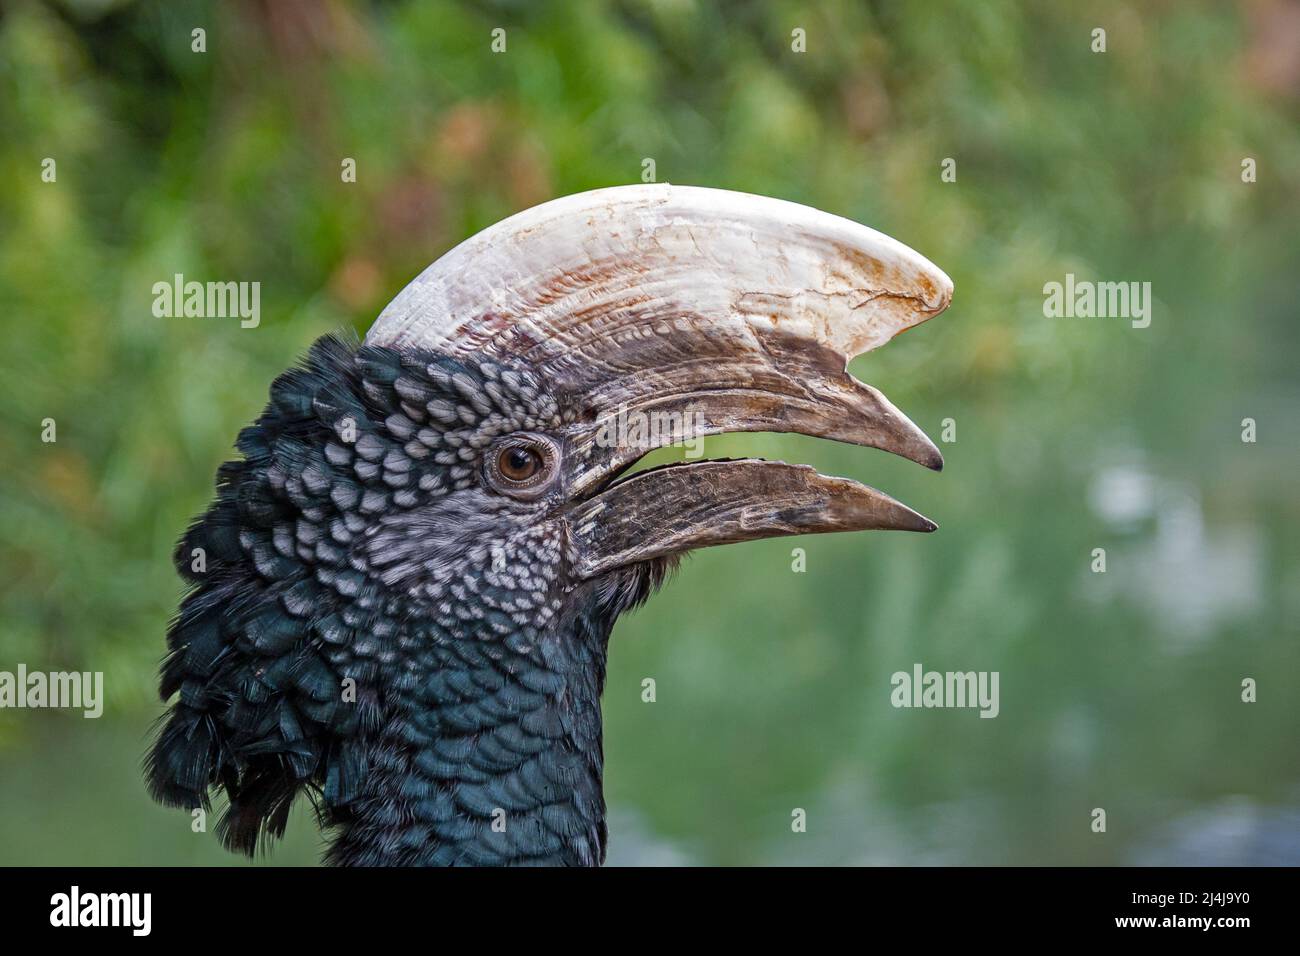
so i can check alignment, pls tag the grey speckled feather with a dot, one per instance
(475, 691)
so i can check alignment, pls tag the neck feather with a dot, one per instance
(486, 751)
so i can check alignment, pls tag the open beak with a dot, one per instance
(661, 314)
(784, 384)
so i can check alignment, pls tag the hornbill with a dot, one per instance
(402, 594)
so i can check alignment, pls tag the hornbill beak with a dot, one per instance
(658, 314)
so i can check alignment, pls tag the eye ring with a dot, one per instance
(523, 465)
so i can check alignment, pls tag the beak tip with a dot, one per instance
(925, 452)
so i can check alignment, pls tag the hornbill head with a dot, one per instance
(408, 582)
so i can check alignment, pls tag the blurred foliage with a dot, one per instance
(1118, 690)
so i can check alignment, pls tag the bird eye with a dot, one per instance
(519, 464)
(523, 465)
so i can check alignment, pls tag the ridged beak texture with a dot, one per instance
(664, 313)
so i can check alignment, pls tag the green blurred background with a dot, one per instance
(1119, 690)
